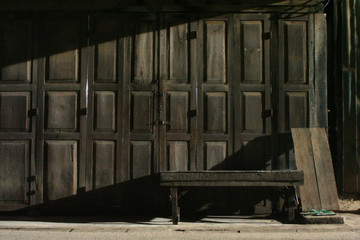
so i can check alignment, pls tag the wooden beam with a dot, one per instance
(233, 178)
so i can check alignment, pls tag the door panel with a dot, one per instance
(104, 126)
(61, 129)
(61, 165)
(18, 98)
(296, 81)
(176, 94)
(252, 92)
(14, 165)
(140, 84)
(14, 108)
(214, 119)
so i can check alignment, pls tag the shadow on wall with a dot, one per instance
(144, 197)
(27, 37)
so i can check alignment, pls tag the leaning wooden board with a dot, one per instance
(312, 155)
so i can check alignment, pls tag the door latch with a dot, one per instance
(167, 123)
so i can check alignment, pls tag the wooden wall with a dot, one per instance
(88, 100)
(345, 77)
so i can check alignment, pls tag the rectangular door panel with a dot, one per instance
(105, 111)
(141, 155)
(253, 109)
(144, 53)
(14, 108)
(178, 155)
(14, 163)
(252, 51)
(61, 168)
(295, 52)
(215, 154)
(296, 104)
(178, 109)
(16, 51)
(142, 111)
(105, 61)
(104, 160)
(216, 51)
(215, 112)
(178, 55)
(61, 108)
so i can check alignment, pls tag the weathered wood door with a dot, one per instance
(62, 100)
(215, 92)
(17, 112)
(140, 106)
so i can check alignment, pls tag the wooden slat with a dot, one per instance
(233, 178)
(324, 169)
(310, 197)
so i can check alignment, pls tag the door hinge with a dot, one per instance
(191, 35)
(33, 112)
(31, 179)
(160, 94)
(33, 192)
(266, 35)
(83, 111)
(268, 113)
(167, 123)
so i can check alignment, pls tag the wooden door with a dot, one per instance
(62, 106)
(252, 89)
(17, 113)
(294, 90)
(104, 131)
(177, 93)
(214, 131)
(139, 72)
(215, 92)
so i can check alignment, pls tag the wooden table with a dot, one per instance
(278, 178)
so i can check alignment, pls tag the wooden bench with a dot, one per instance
(282, 178)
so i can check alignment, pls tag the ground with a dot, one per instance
(211, 227)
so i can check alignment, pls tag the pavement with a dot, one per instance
(211, 227)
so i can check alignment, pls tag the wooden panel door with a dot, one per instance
(17, 113)
(177, 94)
(250, 70)
(62, 106)
(104, 131)
(214, 131)
(295, 85)
(139, 72)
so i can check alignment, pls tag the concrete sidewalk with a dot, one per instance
(212, 227)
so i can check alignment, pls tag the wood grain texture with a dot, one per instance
(309, 193)
(324, 169)
(233, 178)
(312, 154)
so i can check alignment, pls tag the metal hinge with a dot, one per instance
(167, 123)
(160, 94)
(33, 112)
(31, 193)
(31, 179)
(83, 111)
(266, 36)
(191, 35)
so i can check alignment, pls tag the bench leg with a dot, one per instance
(290, 198)
(175, 205)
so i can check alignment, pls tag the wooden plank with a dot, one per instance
(310, 197)
(324, 169)
(224, 176)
